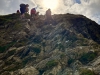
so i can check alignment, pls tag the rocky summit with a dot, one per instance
(70, 46)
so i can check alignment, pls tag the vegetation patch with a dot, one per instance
(17, 26)
(87, 57)
(87, 72)
(37, 39)
(70, 61)
(21, 43)
(26, 60)
(83, 42)
(11, 52)
(62, 56)
(16, 66)
(51, 63)
(36, 49)
(4, 21)
(96, 46)
(4, 48)
(8, 18)
(61, 47)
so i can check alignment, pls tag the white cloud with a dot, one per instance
(89, 8)
(69, 2)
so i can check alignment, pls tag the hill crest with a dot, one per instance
(71, 46)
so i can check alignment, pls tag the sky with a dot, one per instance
(88, 8)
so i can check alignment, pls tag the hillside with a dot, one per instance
(69, 47)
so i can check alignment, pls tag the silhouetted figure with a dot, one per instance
(33, 12)
(23, 9)
(18, 12)
(49, 19)
(27, 9)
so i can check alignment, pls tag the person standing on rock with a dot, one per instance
(27, 9)
(23, 9)
(33, 12)
(18, 12)
(48, 17)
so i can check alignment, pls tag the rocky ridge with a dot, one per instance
(69, 47)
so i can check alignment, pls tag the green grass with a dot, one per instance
(87, 72)
(61, 47)
(37, 39)
(36, 49)
(4, 48)
(4, 21)
(87, 57)
(8, 18)
(25, 61)
(51, 63)
(70, 61)
(83, 42)
(62, 56)
(14, 68)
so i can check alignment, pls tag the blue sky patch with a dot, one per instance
(78, 1)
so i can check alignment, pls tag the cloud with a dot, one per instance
(69, 2)
(10, 6)
(89, 8)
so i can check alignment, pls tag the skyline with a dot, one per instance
(88, 8)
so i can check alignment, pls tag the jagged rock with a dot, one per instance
(76, 65)
(19, 50)
(22, 34)
(67, 71)
(2, 55)
(95, 65)
(53, 71)
(17, 59)
(33, 48)
(5, 73)
(26, 71)
(12, 48)
(10, 67)
(2, 63)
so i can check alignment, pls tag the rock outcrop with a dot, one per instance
(70, 46)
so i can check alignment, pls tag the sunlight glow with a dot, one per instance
(52, 4)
